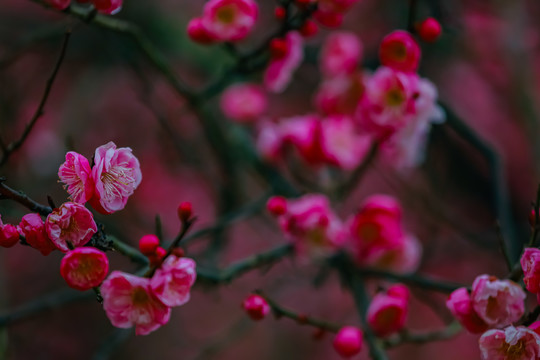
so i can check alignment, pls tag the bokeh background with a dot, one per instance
(483, 164)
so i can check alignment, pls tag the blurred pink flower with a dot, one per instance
(460, 305)
(198, 33)
(76, 174)
(348, 341)
(128, 301)
(71, 225)
(59, 4)
(9, 236)
(229, 20)
(512, 343)
(108, 7)
(498, 302)
(243, 102)
(530, 263)
(279, 72)
(388, 311)
(400, 51)
(116, 174)
(340, 94)
(33, 229)
(172, 282)
(84, 268)
(256, 307)
(340, 54)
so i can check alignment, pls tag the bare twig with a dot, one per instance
(421, 338)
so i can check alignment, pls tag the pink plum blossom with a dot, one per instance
(128, 301)
(340, 94)
(461, 306)
(243, 102)
(76, 174)
(498, 302)
(71, 225)
(512, 343)
(108, 7)
(9, 235)
(279, 72)
(400, 51)
(340, 54)
(172, 281)
(388, 311)
(348, 341)
(84, 268)
(197, 32)
(330, 19)
(229, 20)
(256, 307)
(530, 263)
(116, 175)
(33, 230)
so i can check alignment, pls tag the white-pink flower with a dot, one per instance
(128, 301)
(229, 20)
(279, 72)
(243, 102)
(498, 302)
(76, 174)
(340, 54)
(116, 174)
(172, 282)
(72, 225)
(512, 343)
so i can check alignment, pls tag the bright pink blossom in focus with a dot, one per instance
(116, 174)
(229, 20)
(33, 229)
(400, 51)
(256, 307)
(243, 102)
(108, 7)
(72, 225)
(128, 301)
(460, 305)
(388, 311)
(348, 341)
(172, 282)
(84, 268)
(76, 174)
(340, 54)
(9, 235)
(279, 72)
(512, 343)
(530, 263)
(498, 302)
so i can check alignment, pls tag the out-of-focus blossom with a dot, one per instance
(340, 54)
(33, 230)
(530, 263)
(148, 244)
(9, 235)
(512, 343)
(498, 302)
(388, 311)
(76, 174)
(279, 72)
(429, 30)
(116, 174)
(198, 33)
(460, 305)
(108, 7)
(128, 301)
(330, 19)
(256, 307)
(243, 102)
(277, 205)
(59, 4)
(228, 20)
(400, 51)
(340, 95)
(71, 225)
(348, 341)
(172, 281)
(84, 268)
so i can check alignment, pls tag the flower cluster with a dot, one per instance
(108, 184)
(374, 235)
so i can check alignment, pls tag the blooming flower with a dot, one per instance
(388, 311)
(9, 236)
(279, 72)
(348, 341)
(498, 302)
(530, 263)
(71, 225)
(128, 301)
(400, 51)
(33, 230)
(243, 102)
(256, 307)
(512, 343)
(76, 174)
(116, 175)
(229, 20)
(84, 268)
(172, 281)
(340, 54)
(461, 306)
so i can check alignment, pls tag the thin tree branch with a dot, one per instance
(406, 337)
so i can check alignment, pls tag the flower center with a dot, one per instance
(139, 296)
(513, 352)
(226, 14)
(394, 97)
